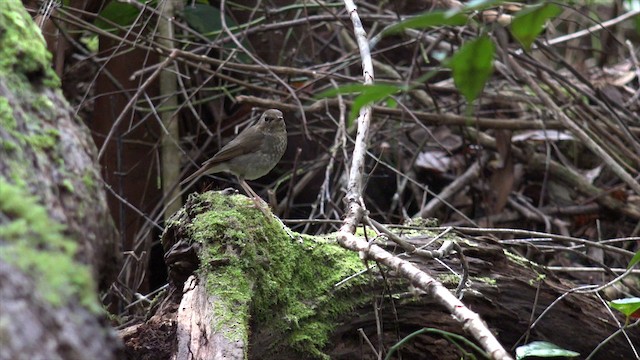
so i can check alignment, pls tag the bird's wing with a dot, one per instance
(245, 143)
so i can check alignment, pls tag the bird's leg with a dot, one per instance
(248, 189)
(256, 199)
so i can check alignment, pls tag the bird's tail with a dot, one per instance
(196, 175)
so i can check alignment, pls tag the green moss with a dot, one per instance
(540, 278)
(33, 132)
(31, 241)
(8, 146)
(68, 185)
(34, 243)
(525, 263)
(370, 233)
(7, 120)
(420, 222)
(43, 104)
(517, 258)
(42, 141)
(233, 287)
(485, 280)
(24, 61)
(38, 138)
(289, 285)
(22, 48)
(88, 180)
(450, 280)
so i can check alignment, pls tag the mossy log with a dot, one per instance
(57, 240)
(258, 280)
(241, 287)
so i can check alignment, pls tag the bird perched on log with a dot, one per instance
(252, 154)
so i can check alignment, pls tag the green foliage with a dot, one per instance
(367, 94)
(634, 260)
(91, 42)
(456, 17)
(451, 337)
(205, 19)
(628, 306)
(472, 65)
(118, 13)
(543, 349)
(476, 5)
(427, 20)
(530, 21)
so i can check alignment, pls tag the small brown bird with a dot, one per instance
(252, 154)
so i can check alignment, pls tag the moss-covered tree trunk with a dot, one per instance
(241, 286)
(57, 241)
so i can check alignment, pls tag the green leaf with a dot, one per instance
(452, 17)
(342, 90)
(543, 349)
(481, 4)
(205, 19)
(472, 65)
(376, 93)
(391, 103)
(453, 338)
(626, 306)
(367, 94)
(426, 20)
(122, 14)
(529, 22)
(634, 260)
(91, 42)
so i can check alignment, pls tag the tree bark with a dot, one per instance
(57, 240)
